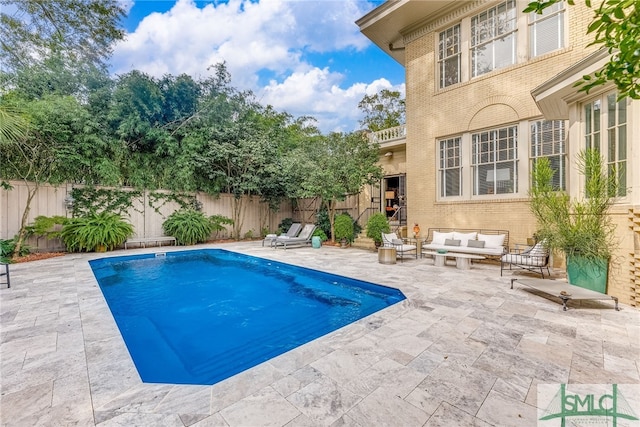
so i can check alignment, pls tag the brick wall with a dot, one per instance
(495, 99)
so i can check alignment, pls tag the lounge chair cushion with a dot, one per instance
(527, 260)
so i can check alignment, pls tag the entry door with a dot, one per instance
(395, 200)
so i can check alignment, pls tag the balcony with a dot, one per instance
(391, 137)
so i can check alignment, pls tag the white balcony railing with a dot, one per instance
(388, 135)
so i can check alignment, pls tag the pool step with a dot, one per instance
(216, 368)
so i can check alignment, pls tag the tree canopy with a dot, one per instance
(616, 27)
(334, 166)
(383, 110)
(78, 30)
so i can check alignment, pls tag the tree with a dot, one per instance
(334, 166)
(616, 26)
(385, 109)
(79, 30)
(31, 156)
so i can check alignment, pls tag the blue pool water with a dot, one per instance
(198, 317)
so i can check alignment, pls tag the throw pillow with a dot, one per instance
(492, 240)
(451, 242)
(439, 237)
(464, 237)
(476, 243)
(397, 241)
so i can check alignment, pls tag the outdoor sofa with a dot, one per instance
(484, 242)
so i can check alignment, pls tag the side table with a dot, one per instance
(387, 255)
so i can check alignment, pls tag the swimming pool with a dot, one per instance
(198, 317)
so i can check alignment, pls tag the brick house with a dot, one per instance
(488, 90)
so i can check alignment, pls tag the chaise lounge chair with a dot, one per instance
(293, 231)
(391, 240)
(304, 238)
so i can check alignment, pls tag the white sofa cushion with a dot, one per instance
(439, 237)
(464, 249)
(492, 240)
(464, 237)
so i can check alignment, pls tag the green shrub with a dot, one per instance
(284, 225)
(344, 227)
(95, 230)
(47, 226)
(218, 222)
(8, 248)
(376, 225)
(322, 221)
(188, 226)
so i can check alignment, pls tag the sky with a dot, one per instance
(303, 57)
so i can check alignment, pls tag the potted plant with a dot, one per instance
(95, 232)
(376, 225)
(580, 228)
(344, 229)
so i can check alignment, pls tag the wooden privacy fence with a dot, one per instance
(146, 219)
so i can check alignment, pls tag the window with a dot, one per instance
(450, 168)
(546, 30)
(493, 38)
(449, 56)
(548, 139)
(613, 138)
(617, 141)
(494, 161)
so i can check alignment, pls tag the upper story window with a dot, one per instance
(450, 168)
(494, 161)
(449, 56)
(546, 30)
(548, 139)
(490, 40)
(493, 38)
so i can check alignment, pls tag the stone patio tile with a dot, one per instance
(265, 408)
(500, 409)
(324, 401)
(22, 404)
(383, 408)
(459, 384)
(449, 415)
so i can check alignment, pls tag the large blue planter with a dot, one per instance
(588, 273)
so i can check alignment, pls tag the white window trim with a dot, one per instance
(522, 44)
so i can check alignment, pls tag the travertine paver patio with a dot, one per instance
(462, 350)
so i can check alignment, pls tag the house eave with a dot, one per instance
(386, 25)
(554, 96)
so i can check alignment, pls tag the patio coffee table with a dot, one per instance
(564, 291)
(463, 261)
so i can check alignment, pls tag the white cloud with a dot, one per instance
(271, 36)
